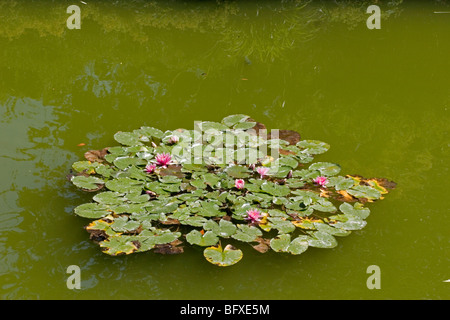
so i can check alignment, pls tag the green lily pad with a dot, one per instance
(124, 224)
(124, 185)
(169, 179)
(204, 240)
(109, 197)
(324, 205)
(305, 196)
(212, 126)
(246, 233)
(320, 239)
(92, 210)
(149, 132)
(87, 183)
(341, 183)
(244, 125)
(333, 230)
(283, 243)
(222, 229)
(298, 245)
(326, 168)
(237, 172)
(347, 222)
(313, 146)
(357, 210)
(127, 138)
(125, 162)
(233, 119)
(223, 258)
(210, 209)
(199, 184)
(364, 192)
(195, 221)
(305, 174)
(275, 189)
(282, 225)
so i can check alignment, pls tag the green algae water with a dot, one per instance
(379, 97)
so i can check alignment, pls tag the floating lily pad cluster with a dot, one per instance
(154, 192)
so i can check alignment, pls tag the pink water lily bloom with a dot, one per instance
(174, 139)
(239, 183)
(150, 168)
(321, 181)
(163, 159)
(253, 215)
(262, 171)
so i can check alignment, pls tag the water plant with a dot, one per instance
(222, 182)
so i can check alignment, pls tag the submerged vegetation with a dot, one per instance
(217, 185)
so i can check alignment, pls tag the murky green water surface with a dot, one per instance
(379, 97)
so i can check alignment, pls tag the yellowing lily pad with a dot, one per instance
(223, 258)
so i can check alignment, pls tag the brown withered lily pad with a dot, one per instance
(96, 155)
(169, 248)
(290, 136)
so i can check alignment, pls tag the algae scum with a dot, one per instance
(223, 182)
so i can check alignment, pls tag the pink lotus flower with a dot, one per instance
(262, 171)
(174, 139)
(150, 168)
(321, 181)
(239, 183)
(253, 215)
(163, 159)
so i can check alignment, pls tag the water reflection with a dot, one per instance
(31, 152)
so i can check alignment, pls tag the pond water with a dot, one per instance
(379, 97)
